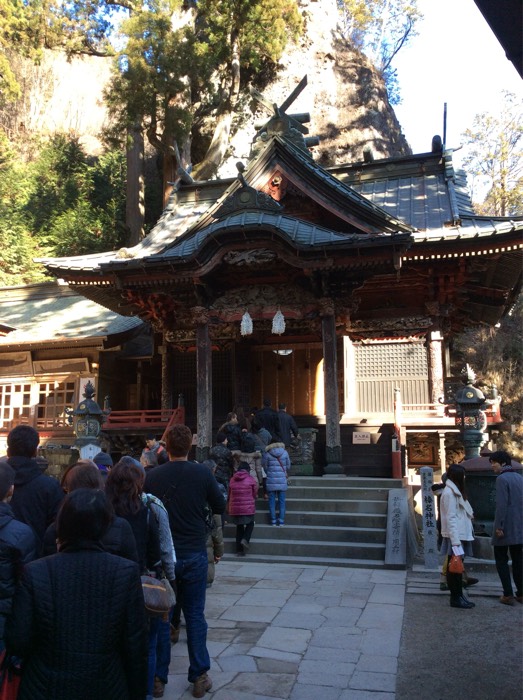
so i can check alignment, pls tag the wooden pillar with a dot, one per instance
(442, 452)
(437, 389)
(166, 389)
(332, 407)
(139, 403)
(203, 389)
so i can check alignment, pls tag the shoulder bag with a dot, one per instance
(284, 471)
(157, 599)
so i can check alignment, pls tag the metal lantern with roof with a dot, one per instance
(470, 403)
(88, 419)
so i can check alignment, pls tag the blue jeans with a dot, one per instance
(191, 583)
(163, 650)
(154, 626)
(281, 506)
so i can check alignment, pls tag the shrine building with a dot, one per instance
(335, 290)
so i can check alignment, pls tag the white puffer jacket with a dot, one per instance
(456, 515)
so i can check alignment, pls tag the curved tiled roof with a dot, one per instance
(51, 312)
(301, 233)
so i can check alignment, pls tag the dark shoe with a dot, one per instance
(507, 600)
(461, 602)
(174, 633)
(158, 688)
(470, 581)
(201, 685)
(245, 546)
(240, 554)
(519, 599)
(443, 586)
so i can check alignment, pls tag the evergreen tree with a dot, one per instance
(61, 203)
(181, 73)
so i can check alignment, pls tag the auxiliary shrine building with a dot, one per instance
(335, 290)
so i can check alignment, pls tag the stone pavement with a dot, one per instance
(283, 631)
(299, 633)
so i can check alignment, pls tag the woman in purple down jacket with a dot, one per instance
(277, 463)
(243, 490)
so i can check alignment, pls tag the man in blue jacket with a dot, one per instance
(185, 488)
(508, 526)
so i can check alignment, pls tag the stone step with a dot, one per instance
(330, 519)
(291, 547)
(320, 533)
(322, 492)
(309, 560)
(328, 506)
(345, 481)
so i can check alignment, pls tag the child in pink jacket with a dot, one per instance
(243, 490)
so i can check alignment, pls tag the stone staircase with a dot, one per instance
(329, 521)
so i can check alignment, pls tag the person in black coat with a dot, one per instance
(119, 538)
(78, 617)
(17, 546)
(222, 455)
(267, 417)
(232, 432)
(37, 497)
(288, 427)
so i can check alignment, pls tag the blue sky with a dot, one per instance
(455, 59)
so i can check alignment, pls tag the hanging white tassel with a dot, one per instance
(246, 324)
(278, 323)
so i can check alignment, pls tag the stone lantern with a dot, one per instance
(88, 419)
(470, 417)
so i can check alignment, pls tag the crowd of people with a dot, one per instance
(73, 553)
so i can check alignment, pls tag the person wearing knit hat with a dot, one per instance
(104, 462)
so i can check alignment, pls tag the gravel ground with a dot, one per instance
(453, 654)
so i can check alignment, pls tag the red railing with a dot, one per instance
(144, 419)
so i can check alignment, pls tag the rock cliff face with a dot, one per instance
(59, 95)
(345, 96)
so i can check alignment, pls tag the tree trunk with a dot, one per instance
(216, 151)
(220, 140)
(135, 204)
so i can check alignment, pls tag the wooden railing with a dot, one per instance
(144, 419)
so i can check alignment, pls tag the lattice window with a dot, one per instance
(15, 404)
(382, 368)
(54, 397)
(391, 360)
